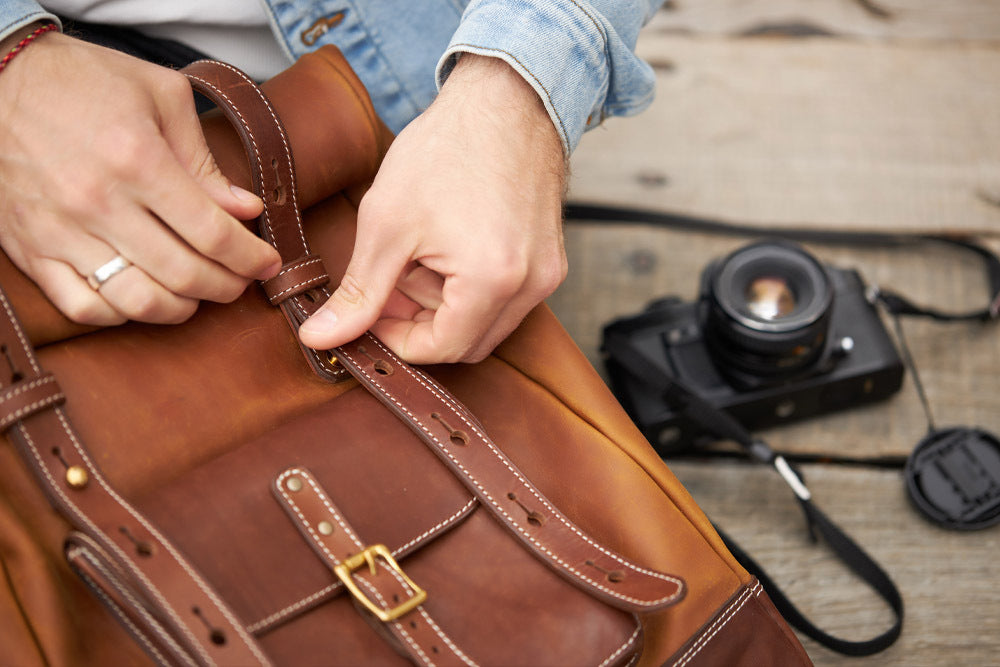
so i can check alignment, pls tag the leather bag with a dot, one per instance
(230, 497)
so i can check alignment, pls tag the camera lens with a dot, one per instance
(768, 309)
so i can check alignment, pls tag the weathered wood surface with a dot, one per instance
(947, 579)
(914, 20)
(890, 122)
(808, 131)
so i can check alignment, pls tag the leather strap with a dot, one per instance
(377, 581)
(300, 285)
(201, 622)
(452, 433)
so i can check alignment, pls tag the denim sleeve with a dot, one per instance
(577, 54)
(15, 14)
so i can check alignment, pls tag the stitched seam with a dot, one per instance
(20, 334)
(282, 613)
(628, 642)
(284, 141)
(445, 638)
(372, 590)
(21, 388)
(439, 526)
(419, 377)
(719, 623)
(316, 280)
(305, 522)
(30, 409)
(297, 265)
(136, 605)
(278, 615)
(123, 619)
(205, 588)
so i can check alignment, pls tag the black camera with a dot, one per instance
(774, 336)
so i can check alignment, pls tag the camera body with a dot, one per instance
(773, 337)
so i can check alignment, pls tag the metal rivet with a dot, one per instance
(332, 358)
(294, 484)
(77, 477)
(325, 527)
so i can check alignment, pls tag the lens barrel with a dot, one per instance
(767, 310)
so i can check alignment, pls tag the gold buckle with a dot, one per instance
(348, 566)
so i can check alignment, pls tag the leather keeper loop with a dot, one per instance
(295, 278)
(27, 397)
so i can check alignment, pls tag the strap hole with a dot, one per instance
(218, 637)
(382, 367)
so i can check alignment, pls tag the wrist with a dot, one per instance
(23, 38)
(495, 91)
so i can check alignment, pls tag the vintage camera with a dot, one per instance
(774, 336)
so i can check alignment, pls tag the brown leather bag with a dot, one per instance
(232, 498)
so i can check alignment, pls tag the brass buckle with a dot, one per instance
(348, 566)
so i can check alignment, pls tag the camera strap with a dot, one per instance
(721, 424)
(894, 302)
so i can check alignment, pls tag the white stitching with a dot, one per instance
(628, 642)
(430, 386)
(316, 280)
(53, 485)
(29, 409)
(281, 134)
(114, 608)
(727, 615)
(139, 608)
(290, 609)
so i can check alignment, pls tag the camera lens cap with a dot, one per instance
(953, 477)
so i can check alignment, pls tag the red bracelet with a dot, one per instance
(24, 42)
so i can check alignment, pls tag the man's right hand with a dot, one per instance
(101, 155)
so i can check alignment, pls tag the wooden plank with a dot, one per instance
(947, 578)
(818, 132)
(931, 20)
(616, 270)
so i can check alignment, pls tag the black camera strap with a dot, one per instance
(682, 400)
(896, 303)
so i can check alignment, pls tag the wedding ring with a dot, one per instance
(107, 271)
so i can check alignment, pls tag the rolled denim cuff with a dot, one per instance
(573, 57)
(15, 14)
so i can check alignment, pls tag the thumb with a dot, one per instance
(355, 305)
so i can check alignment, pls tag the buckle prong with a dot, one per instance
(368, 556)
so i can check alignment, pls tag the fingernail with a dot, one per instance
(242, 194)
(321, 322)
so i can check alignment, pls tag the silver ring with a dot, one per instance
(107, 271)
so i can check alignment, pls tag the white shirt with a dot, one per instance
(235, 31)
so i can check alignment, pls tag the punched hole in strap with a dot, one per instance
(458, 436)
(614, 576)
(15, 373)
(381, 366)
(142, 547)
(215, 634)
(535, 518)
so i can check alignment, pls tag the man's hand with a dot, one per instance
(102, 155)
(461, 233)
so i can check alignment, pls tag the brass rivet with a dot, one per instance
(332, 358)
(294, 484)
(77, 477)
(325, 527)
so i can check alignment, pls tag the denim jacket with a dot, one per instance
(578, 55)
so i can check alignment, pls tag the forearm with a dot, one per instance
(578, 56)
